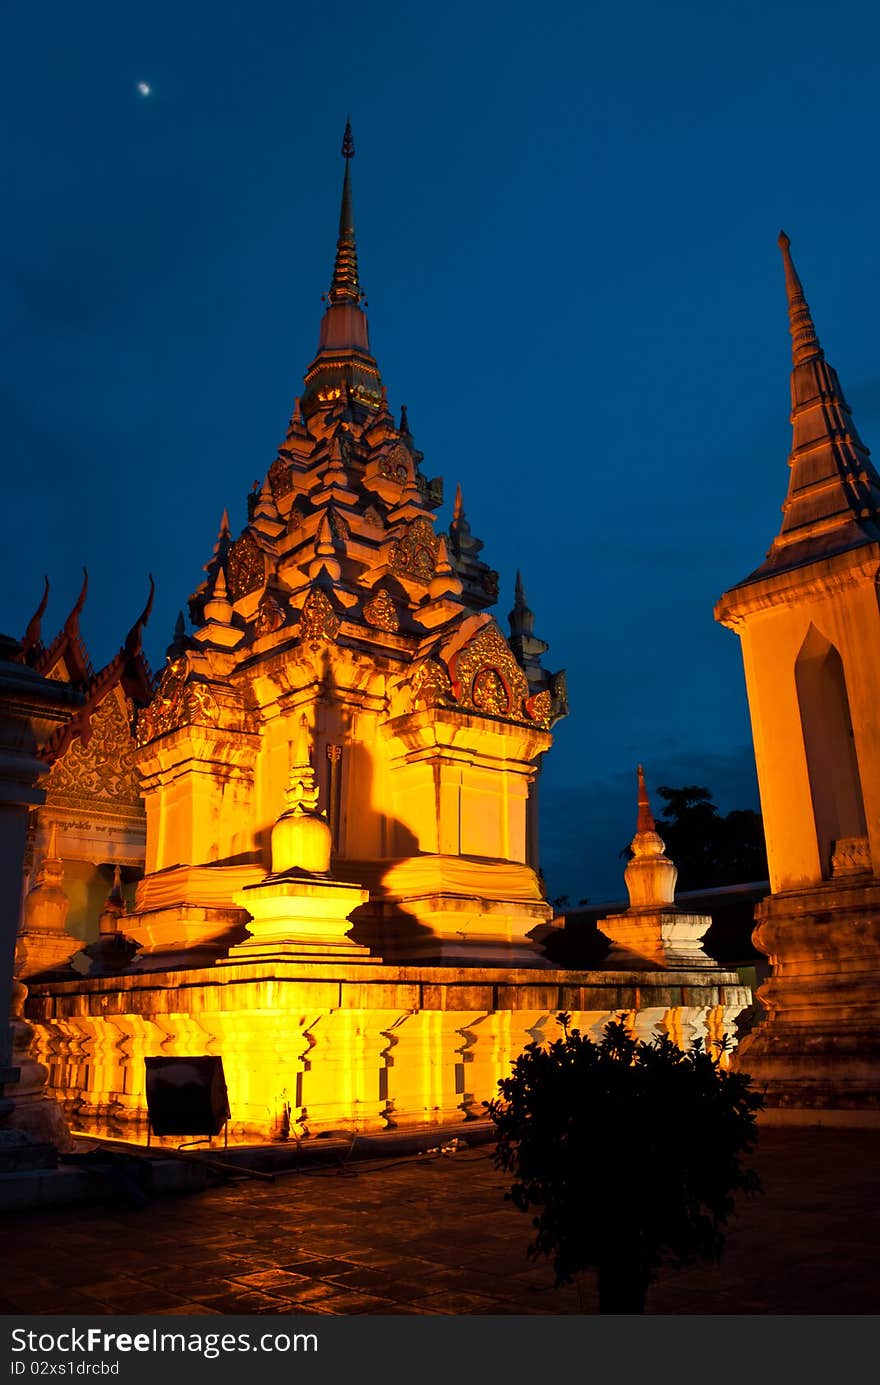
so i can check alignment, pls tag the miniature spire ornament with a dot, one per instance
(301, 838)
(653, 932)
(650, 876)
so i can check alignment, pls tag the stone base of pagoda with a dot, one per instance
(461, 911)
(298, 915)
(42, 950)
(343, 1045)
(816, 1054)
(188, 913)
(662, 938)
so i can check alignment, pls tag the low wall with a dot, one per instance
(344, 1046)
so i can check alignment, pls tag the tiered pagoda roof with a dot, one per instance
(341, 545)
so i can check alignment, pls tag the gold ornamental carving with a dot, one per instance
(415, 555)
(430, 685)
(280, 481)
(245, 569)
(318, 621)
(396, 465)
(486, 677)
(373, 518)
(179, 702)
(540, 708)
(381, 613)
(338, 526)
(101, 766)
(270, 615)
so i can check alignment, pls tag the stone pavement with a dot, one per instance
(433, 1235)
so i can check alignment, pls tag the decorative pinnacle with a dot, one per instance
(804, 341)
(645, 821)
(345, 286)
(302, 793)
(522, 619)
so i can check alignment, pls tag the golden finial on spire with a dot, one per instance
(345, 286)
(804, 341)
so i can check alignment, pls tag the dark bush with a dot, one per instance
(629, 1152)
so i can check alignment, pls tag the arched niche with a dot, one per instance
(832, 764)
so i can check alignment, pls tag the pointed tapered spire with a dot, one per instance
(645, 821)
(833, 500)
(804, 341)
(179, 641)
(650, 876)
(345, 286)
(521, 618)
(52, 844)
(344, 377)
(302, 792)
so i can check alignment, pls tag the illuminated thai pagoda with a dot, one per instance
(340, 894)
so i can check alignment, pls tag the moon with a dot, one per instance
(144, 88)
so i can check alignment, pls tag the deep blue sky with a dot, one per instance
(567, 228)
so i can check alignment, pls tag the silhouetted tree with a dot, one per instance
(708, 849)
(627, 1153)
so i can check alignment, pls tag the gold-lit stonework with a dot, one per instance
(319, 621)
(280, 479)
(270, 615)
(246, 570)
(180, 701)
(486, 677)
(415, 555)
(430, 685)
(341, 895)
(396, 465)
(101, 767)
(380, 612)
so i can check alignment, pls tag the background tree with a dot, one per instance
(629, 1153)
(708, 849)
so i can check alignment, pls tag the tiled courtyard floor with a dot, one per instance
(435, 1236)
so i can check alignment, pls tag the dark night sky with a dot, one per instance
(567, 229)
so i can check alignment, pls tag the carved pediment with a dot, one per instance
(318, 621)
(487, 679)
(415, 555)
(246, 567)
(101, 765)
(179, 702)
(381, 613)
(397, 464)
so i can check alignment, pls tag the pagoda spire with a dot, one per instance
(804, 341)
(833, 500)
(344, 374)
(345, 286)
